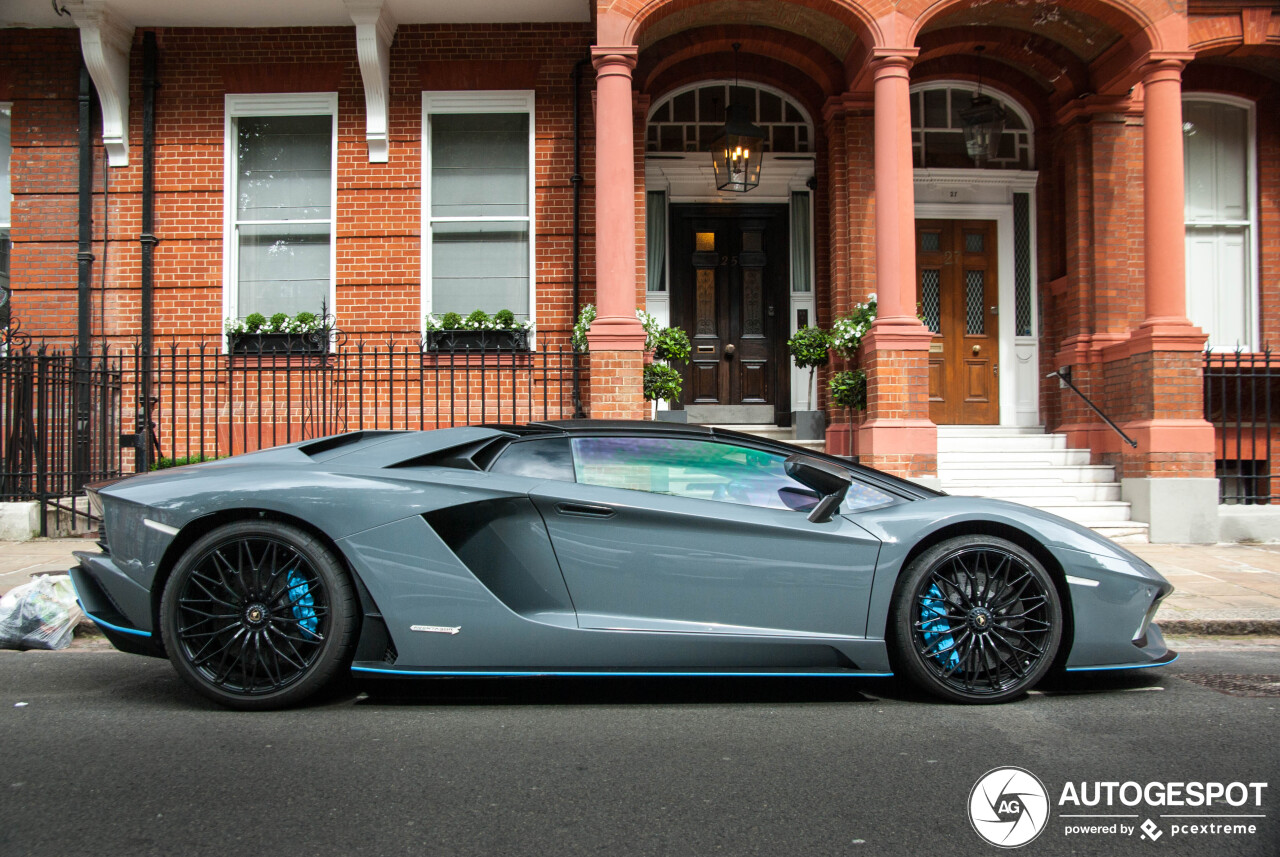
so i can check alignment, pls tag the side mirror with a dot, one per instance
(831, 483)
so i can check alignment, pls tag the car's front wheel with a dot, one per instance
(258, 615)
(975, 619)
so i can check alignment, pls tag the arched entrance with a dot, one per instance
(734, 270)
(975, 260)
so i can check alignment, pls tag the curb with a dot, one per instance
(1220, 627)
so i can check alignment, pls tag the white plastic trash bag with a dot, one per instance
(41, 614)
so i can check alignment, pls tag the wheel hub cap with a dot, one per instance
(980, 619)
(255, 615)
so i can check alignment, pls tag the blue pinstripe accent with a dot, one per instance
(111, 627)
(602, 674)
(1122, 666)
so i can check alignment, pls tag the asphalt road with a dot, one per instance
(110, 754)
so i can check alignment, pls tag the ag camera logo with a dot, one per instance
(1008, 807)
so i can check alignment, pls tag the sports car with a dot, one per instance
(597, 548)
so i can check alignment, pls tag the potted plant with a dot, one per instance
(479, 331)
(304, 333)
(849, 390)
(810, 348)
(662, 382)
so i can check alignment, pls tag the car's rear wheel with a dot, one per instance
(258, 615)
(975, 619)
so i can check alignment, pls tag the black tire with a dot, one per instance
(258, 615)
(975, 619)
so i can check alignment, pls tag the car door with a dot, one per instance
(678, 534)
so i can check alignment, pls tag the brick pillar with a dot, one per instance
(1157, 372)
(898, 435)
(1102, 296)
(850, 211)
(616, 337)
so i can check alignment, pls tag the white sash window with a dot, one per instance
(1218, 154)
(281, 157)
(477, 203)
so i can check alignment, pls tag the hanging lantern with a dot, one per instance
(983, 122)
(736, 155)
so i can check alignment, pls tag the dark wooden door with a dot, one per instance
(956, 266)
(729, 293)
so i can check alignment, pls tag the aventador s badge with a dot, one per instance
(435, 629)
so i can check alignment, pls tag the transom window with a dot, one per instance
(281, 156)
(477, 213)
(690, 119)
(937, 131)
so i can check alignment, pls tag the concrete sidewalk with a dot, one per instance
(1219, 589)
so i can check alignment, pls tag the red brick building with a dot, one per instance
(390, 159)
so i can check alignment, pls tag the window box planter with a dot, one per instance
(275, 344)
(477, 340)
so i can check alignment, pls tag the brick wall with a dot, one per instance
(40, 75)
(378, 217)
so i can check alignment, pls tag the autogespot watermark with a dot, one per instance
(1009, 807)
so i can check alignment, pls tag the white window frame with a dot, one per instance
(7, 107)
(273, 104)
(496, 101)
(1250, 226)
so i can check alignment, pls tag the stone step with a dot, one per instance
(1034, 493)
(1001, 443)
(1061, 474)
(1019, 457)
(990, 431)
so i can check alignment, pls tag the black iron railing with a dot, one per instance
(59, 427)
(211, 405)
(1063, 374)
(68, 420)
(1240, 390)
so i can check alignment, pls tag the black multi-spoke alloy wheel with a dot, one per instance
(258, 615)
(975, 619)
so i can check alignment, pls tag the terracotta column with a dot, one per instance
(1163, 202)
(895, 192)
(898, 435)
(616, 337)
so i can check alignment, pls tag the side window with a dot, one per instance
(703, 470)
(540, 458)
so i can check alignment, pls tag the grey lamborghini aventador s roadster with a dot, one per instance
(591, 548)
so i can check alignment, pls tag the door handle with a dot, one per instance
(977, 349)
(584, 510)
(729, 349)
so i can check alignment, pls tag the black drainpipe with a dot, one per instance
(84, 254)
(576, 180)
(143, 451)
(84, 284)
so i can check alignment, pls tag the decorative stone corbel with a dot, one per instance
(375, 28)
(105, 43)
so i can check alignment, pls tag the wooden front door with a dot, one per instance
(956, 266)
(729, 293)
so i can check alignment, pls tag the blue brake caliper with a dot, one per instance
(304, 604)
(935, 628)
